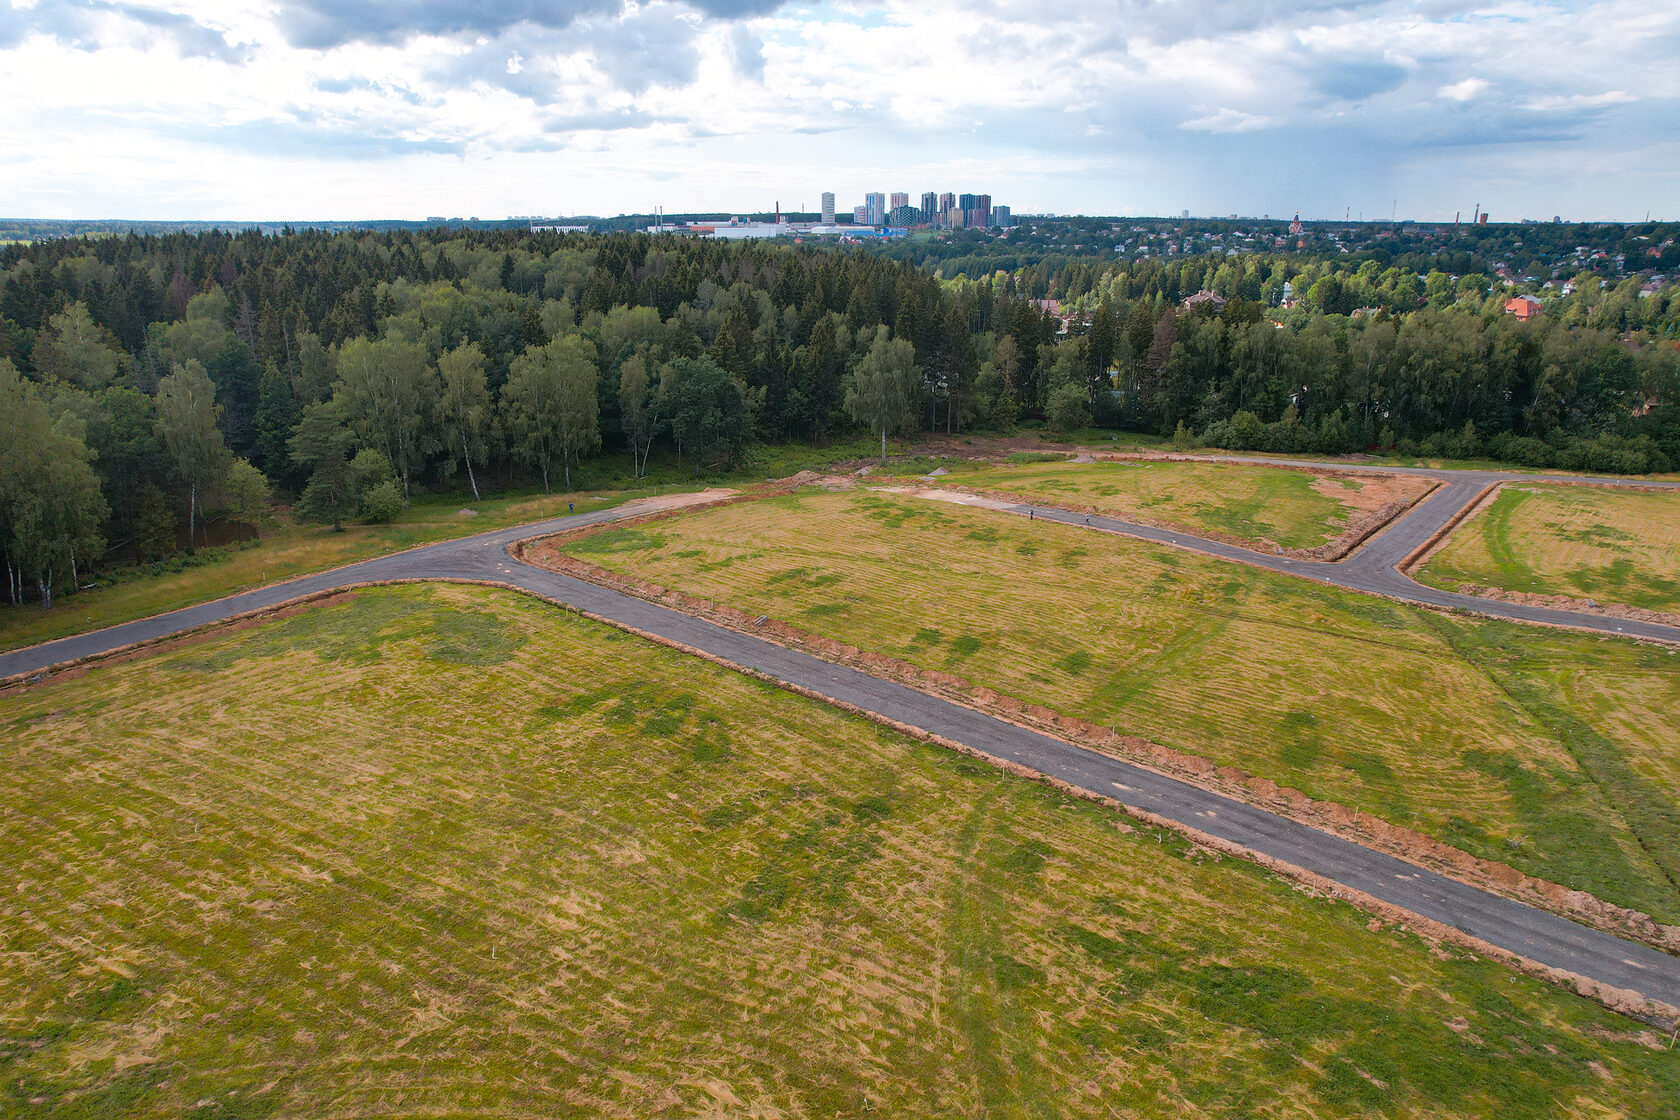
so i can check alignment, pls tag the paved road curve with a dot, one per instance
(1520, 929)
(1372, 568)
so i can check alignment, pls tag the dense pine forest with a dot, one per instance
(154, 385)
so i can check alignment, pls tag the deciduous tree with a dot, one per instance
(549, 404)
(465, 406)
(50, 503)
(882, 392)
(390, 389)
(186, 419)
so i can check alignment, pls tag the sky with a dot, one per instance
(362, 109)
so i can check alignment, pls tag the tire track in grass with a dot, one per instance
(1625, 795)
(974, 983)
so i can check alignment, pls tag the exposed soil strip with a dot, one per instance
(1438, 540)
(1570, 603)
(1620, 1000)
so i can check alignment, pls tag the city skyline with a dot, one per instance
(187, 109)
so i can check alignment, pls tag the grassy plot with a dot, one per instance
(1264, 505)
(292, 549)
(1586, 542)
(1445, 725)
(448, 851)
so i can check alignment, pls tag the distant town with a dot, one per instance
(881, 216)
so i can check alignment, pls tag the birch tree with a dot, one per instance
(186, 420)
(638, 408)
(389, 386)
(549, 404)
(50, 502)
(465, 406)
(883, 389)
(78, 350)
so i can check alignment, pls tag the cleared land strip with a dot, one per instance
(1518, 929)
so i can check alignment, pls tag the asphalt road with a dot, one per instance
(1528, 932)
(1372, 567)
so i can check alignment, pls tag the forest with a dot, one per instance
(151, 385)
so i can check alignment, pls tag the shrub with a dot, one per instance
(1068, 409)
(383, 502)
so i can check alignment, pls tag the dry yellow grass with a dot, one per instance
(1427, 721)
(1290, 508)
(451, 852)
(1585, 542)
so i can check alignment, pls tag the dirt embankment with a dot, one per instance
(1330, 816)
(1570, 603)
(1438, 539)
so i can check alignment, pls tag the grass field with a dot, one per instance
(1550, 751)
(452, 852)
(1586, 542)
(1264, 505)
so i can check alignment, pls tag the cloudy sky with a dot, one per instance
(342, 109)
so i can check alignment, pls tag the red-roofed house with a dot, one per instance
(1523, 307)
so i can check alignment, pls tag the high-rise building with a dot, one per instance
(860, 215)
(875, 208)
(965, 208)
(828, 208)
(982, 211)
(1000, 217)
(903, 216)
(930, 206)
(946, 201)
(899, 198)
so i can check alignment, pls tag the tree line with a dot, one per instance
(159, 389)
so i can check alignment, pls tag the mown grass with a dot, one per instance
(449, 851)
(1289, 508)
(1546, 750)
(1587, 542)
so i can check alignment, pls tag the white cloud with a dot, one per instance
(1228, 120)
(1467, 90)
(117, 106)
(1555, 102)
